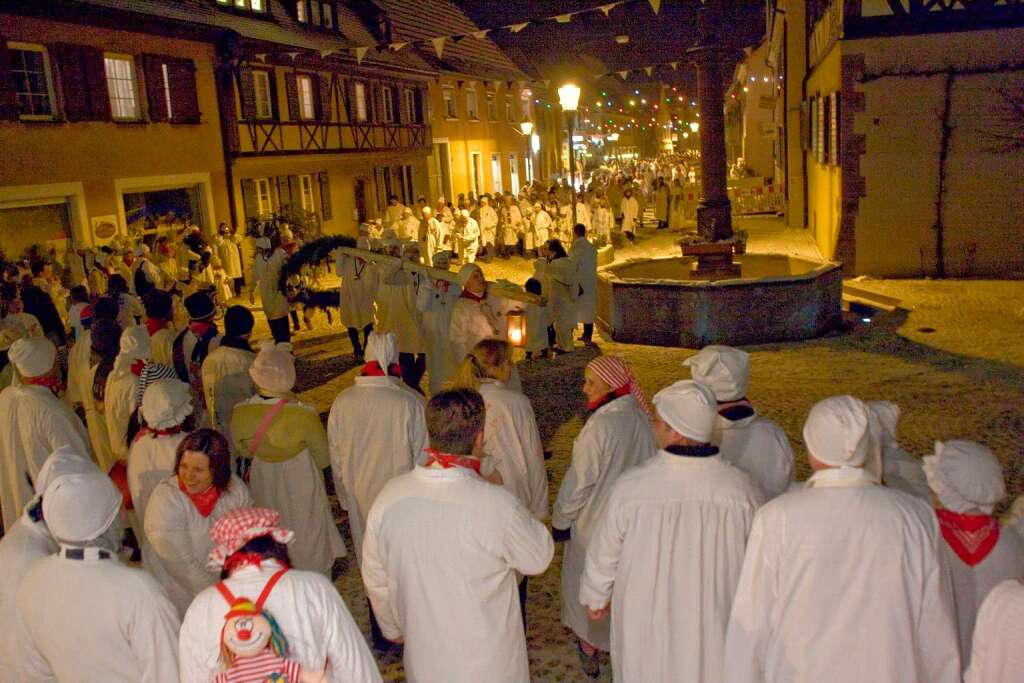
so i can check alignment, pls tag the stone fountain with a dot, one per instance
(716, 293)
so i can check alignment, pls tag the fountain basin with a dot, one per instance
(776, 298)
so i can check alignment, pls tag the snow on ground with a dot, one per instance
(953, 361)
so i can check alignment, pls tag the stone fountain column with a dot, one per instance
(714, 213)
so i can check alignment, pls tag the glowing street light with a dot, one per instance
(569, 97)
(694, 126)
(526, 127)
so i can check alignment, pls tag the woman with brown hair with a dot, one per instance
(181, 511)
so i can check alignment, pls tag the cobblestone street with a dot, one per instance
(951, 358)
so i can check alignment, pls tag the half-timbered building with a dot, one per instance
(116, 115)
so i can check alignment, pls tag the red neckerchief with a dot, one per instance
(200, 327)
(159, 432)
(205, 501)
(137, 366)
(54, 384)
(466, 294)
(373, 369)
(610, 396)
(972, 537)
(153, 326)
(448, 461)
(290, 248)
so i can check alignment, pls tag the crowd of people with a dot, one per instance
(690, 553)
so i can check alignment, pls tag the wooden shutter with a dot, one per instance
(284, 193)
(325, 195)
(153, 75)
(325, 84)
(83, 82)
(275, 110)
(247, 94)
(184, 95)
(96, 73)
(295, 191)
(350, 100)
(8, 93)
(291, 91)
(249, 199)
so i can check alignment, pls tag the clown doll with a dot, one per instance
(253, 649)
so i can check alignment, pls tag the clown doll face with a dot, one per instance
(247, 635)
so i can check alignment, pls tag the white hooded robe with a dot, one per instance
(33, 424)
(376, 430)
(512, 439)
(96, 620)
(179, 538)
(616, 437)
(843, 581)
(667, 553)
(312, 616)
(445, 580)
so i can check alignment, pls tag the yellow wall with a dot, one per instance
(483, 135)
(984, 205)
(823, 181)
(796, 66)
(96, 154)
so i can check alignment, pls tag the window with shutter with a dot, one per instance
(306, 97)
(263, 94)
(325, 195)
(359, 107)
(181, 86)
(124, 97)
(25, 69)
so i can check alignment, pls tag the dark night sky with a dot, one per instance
(586, 46)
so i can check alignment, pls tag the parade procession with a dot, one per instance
(351, 341)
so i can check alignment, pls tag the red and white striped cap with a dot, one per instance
(617, 375)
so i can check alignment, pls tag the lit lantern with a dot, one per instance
(516, 328)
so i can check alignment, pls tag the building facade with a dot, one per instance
(477, 102)
(898, 122)
(103, 128)
(120, 119)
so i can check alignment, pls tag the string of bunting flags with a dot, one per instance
(438, 42)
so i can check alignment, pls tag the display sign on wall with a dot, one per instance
(104, 227)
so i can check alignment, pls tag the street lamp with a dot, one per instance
(569, 98)
(694, 126)
(526, 128)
